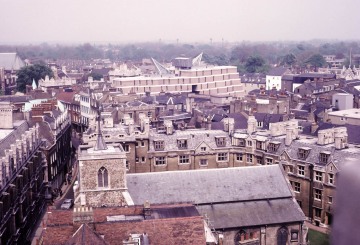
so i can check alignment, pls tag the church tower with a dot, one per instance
(102, 175)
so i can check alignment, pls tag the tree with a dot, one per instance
(29, 73)
(288, 59)
(316, 60)
(255, 64)
(96, 76)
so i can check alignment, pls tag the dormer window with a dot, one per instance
(259, 145)
(159, 145)
(249, 143)
(272, 147)
(324, 157)
(303, 153)
(182, 143)
(220, 141)
(241, 142)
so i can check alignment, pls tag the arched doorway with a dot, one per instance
(282, 236)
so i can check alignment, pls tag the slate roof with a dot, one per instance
(11, 61)
(209, 186)
(194, 138)
(240, 122)
(16, 98)
(277, 71)
(338, 157)
(254, 213)
(20, 127)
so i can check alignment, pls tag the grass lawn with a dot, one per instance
(318, 238)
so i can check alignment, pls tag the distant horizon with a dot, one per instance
(214, 42)
(199, 21)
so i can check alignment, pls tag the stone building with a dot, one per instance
(272, 102)
(229, 199)
(22, 178)
(313, 177)
(249, 205)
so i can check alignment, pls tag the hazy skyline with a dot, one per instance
(119, 21)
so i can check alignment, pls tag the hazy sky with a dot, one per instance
(34, 21)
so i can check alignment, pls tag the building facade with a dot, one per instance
(22, 182)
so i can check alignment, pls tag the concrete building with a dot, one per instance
(343, 101)
(187, 75)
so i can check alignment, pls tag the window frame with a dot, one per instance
(317, 194)
(103, 175)
(222, 157)
(301, 172)
(318, 176)
(184, 159)
(160, 159)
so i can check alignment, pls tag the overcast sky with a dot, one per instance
(68, 21)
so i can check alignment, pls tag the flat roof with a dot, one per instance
(352, 113)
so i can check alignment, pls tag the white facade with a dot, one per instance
(342, 101)
(217, 80)
(273, 81)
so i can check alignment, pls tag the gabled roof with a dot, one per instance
(11, 61)
(277, 71)
(85, 235)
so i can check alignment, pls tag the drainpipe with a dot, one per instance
(311, 192)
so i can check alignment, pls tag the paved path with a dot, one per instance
(317, 228)
(67, 192)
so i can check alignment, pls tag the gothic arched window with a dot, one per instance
(103, 177)
(241, 236)
(282, 236)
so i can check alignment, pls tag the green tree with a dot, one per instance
(316, 60)
(29, 73)
(288, 59)
(255, 64)
(95, 76)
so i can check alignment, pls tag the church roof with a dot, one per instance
(209, 186)
(11, 61)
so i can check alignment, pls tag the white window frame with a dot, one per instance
(301, 172)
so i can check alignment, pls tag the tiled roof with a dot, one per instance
(85, 235)
(66, 97)
(170, 224)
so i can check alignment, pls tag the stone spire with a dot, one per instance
(100, 142)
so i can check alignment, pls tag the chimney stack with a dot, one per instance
(251, 127)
